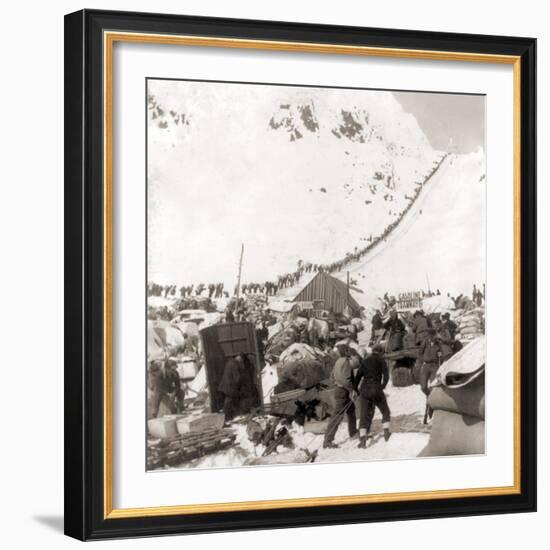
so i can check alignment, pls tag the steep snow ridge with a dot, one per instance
(441, 239)
(230, 174)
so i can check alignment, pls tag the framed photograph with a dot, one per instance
(300, 274)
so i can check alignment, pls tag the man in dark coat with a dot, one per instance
(420, 327)
(370, 381)
(164, 382)
(430, 353)
(396, 330)
(449, 324)
(155, 385)
(250, 396)
(173, 384)
(262, 335)
(230, 386)
(238, 387)
(377, 324)
(229, 316)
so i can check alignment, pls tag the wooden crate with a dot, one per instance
(163, 427)
(200, 423)
(316, 426)
(292, 395)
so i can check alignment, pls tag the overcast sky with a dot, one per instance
(442, 117)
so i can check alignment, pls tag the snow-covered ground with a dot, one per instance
(409, 437)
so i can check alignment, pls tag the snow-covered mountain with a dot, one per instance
(379, 117)
(293, 173)
(440, 241)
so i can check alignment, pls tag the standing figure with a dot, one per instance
(396, 330)
(371, 380)
(377, 324)
(420, 327)
(262, 335)
(230, 386)
(164, 382)
(450, 325)
(430, 352)
(344, 396)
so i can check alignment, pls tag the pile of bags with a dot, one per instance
(296, 331)
(458, 401)
(471, 324)
(303, 366)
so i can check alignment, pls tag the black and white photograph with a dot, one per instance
(315, 274)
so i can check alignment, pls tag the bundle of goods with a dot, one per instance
(183, 448)
(164, 427)
(170, 335)
(285, 403)
(270, 433)
(313, 415)
(305, 373)
(316, 427)
(163, 313)
(328, 399)
(416, 370)
(401, 377)
(458, 401)
(299, 352)
(465, 303)
(471, 324)
(302, 405)
(199, 423)
(402, 374)
(196, 302)
(282, 340)
(252, 300)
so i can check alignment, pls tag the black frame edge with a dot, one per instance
(528, 246)
(84, 282)
(74, 450)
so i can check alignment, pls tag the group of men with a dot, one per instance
(393, 327)
(400, 335)
(161, 290)
(478, 296)
(362, 382)
(358, 382)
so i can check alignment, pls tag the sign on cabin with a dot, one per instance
(407, 301)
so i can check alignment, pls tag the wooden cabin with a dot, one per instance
(329, 293)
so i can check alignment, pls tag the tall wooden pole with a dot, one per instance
(240, 272)
(348, 307)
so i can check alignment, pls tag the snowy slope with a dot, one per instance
(442, 237)
(293, 173)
